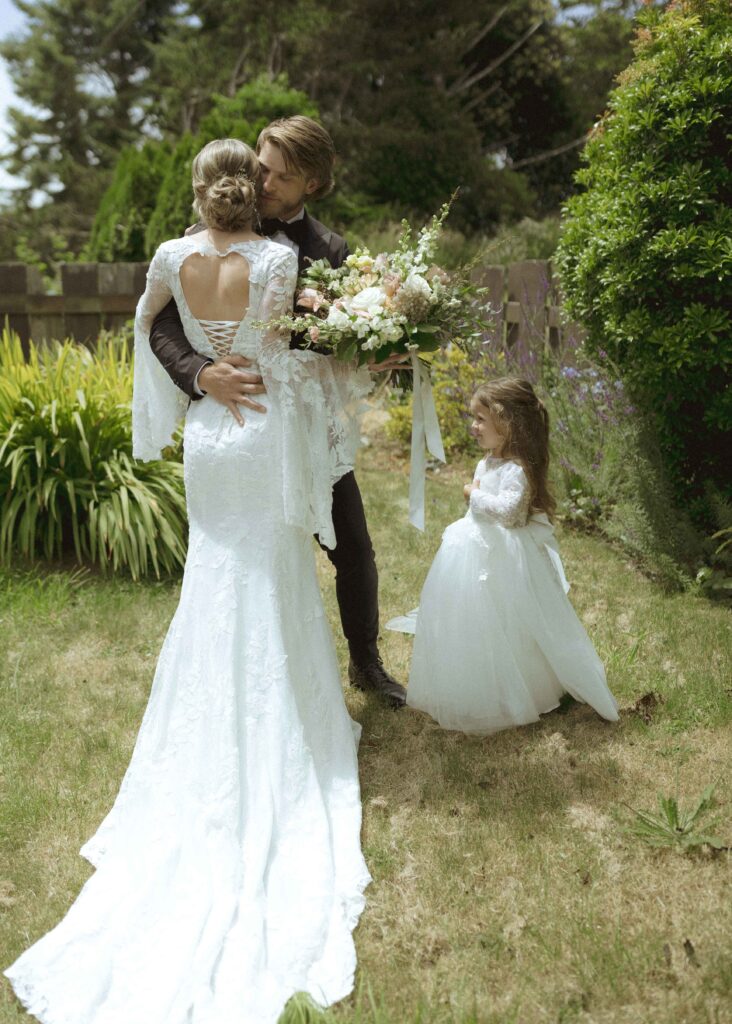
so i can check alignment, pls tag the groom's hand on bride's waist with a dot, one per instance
(230, 382)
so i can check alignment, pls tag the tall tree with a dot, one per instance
(211, 49)
(82, 65)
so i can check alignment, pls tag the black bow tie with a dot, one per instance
(294, 230)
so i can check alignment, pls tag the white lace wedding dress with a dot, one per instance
(229, 872)
(497, 641)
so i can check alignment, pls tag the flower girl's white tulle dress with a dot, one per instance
(497, 642)
(229, 872)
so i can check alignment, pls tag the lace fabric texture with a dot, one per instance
(504, 496)
(229, 873)
(315, 399)
(494, 616)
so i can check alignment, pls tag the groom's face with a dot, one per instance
(284, 190)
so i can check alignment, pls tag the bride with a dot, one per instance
(229, 872)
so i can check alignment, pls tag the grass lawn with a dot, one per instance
(506, 886)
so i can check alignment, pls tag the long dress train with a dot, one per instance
(229, 873)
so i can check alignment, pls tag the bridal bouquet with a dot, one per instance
(396, 303)
(376, 306)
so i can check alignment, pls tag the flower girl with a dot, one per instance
(497, 642)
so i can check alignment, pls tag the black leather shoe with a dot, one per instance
(373, 678)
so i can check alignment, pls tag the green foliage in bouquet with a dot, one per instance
(646, 250)
(68, 483)
(392, 303)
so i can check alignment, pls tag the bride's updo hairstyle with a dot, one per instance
(226, 183)
(520, 417)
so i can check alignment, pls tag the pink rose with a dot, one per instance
(314, 333)
(391, 283)
(309, 298)
(436, 273)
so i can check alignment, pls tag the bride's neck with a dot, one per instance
(221, 239)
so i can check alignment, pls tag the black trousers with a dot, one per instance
(357, 580)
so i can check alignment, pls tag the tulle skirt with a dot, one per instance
(497, 641)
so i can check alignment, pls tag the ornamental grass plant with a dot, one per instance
(68, 483)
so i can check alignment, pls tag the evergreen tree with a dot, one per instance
(126, 208)
(82, 66)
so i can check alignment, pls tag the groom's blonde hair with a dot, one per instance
(306, 148)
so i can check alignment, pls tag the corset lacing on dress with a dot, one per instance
(221, 334)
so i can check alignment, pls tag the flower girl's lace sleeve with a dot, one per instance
(157, 404)
(319, 400)
(510, 505)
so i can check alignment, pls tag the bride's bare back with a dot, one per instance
(216, 287)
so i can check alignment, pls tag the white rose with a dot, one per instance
(370, 300)
(338, 318)
(417, 285)
(391, 332)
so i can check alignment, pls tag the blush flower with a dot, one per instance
(309, 298)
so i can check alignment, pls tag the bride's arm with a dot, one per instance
(303, 364)
(157, 293)
(157, 404)
(317, 398)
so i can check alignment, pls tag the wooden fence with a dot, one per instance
(522, 301)
(94, 297)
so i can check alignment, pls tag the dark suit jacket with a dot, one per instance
(167, 338)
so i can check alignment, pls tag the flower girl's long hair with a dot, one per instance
(521, 418)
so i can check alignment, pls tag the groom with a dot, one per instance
(297, 157)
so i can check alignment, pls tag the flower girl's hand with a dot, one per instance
(469, 488)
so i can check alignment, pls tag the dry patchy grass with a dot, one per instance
(505, 885)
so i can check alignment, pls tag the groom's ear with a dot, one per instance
(311, 185)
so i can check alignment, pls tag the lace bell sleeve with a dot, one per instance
(510, 506)
(319, 402)
(157, 404)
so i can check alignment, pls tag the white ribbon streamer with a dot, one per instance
(542, 533)
(425, 432)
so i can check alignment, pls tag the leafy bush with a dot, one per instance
(645, 254)
(68, 482)
(526, 240)
(121, 222)
(678, 827)
(150, 197)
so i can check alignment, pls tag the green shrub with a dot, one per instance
(526, 240)
(68, 482)
(121, 222)
(150, 199)
(645, 254)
